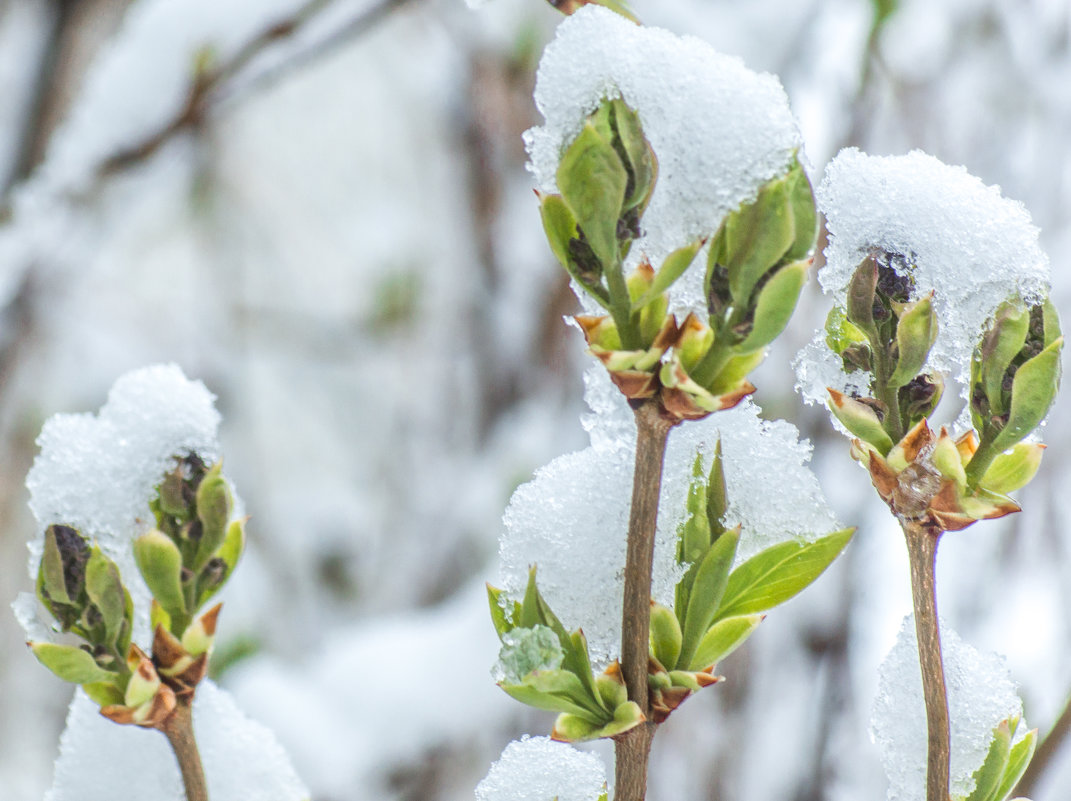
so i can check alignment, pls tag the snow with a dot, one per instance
(969, 245)
(718, 129)
(571, 520)
(525, 650)
(981, 694)
(97, 473)
(101, 761)
(539, 769)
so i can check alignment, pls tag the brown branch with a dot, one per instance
(922, 543)
(634, 746)
(178, 728)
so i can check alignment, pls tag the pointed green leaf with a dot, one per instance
(717, 500)
(499, 618)
(672, 268)
(572, 728)
(757, 236)
(611, 691)
(861, 290)
(636, 153)
(106, 591)
(987, 777)
(160, 563)
(773, 576)
(51, 569)
(860, 419)
(722, 639)
(537, 699)
(777, 300)
(707, 589)
(1018, 761)
(804, 214)
(1033, 391)
(1013, 469)
(565, 684)
(592, 181)
(233, 545)
(915, 334)
(666, 636)
(1000, 344)
(71, 664)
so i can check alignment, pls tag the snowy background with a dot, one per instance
(330, 223)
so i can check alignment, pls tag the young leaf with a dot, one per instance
(1033, 390)
(160, 563)
(106, 591)
(722, 639)
(666, 636)
(71, 664)
(987, 777)
(915, 334)
(498, 613)
(773, 576)
(1018, 760)
(672, 268)
(776, 302)
(707, 590)
(758, 234)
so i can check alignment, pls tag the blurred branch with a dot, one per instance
(209, 82)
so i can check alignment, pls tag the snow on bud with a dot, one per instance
(526, 650)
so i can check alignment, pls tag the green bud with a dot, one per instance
(71, 664)
(804, 214)
(776, 302)
(592, 180)
(666, 636)
(861, 293)
(946, 458)
(1033, 391)
(999, 346)
(144, 681)
(107, 593)
(214, 503)
(63, 564)
(1013, 469)
(860, 419)
(754, 238)
(916, 332)
(160, 563)
(717, 497)
(200, 635)
(722, 639)
(611, 691)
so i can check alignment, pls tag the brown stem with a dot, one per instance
(634, 746)
(922, 553)
(178, 728)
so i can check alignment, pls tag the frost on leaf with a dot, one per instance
(539, 769)
(980, 695)
(718, 129)
(571, 520)
(955, 236)
(100, 761)
(525, 650)
(97, 473)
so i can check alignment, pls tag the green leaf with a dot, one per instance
(106, 591)
(987, 777)
(1001, 343)
(573, 728)
(722, 639)
(706, 594)
(592, 181)
(860, 419)
(233, 545)
(717, 499)
(51, 569)
(71, 664)
(498, 613)
(104, 693)
(804, 214)
(1018, 761)
(1033, 391)
(757, 236)
(538, 699)
(636, 152)
(666, 636)
(672, 268)
(915, 334)
(777, 300)
(773, 576)
(861, 290)
(160, 563)
(566, 684)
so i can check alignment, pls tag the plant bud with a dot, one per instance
(200, 635)
(160, 563)
(1013, 469)
(860, 419)
(916, 332)
(666, 636)
(214, 504)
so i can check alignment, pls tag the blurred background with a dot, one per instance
(321, 209)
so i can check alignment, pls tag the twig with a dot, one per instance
(634, 746)
(922, 543)
(178, 728)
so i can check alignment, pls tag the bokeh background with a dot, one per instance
(321, 209)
